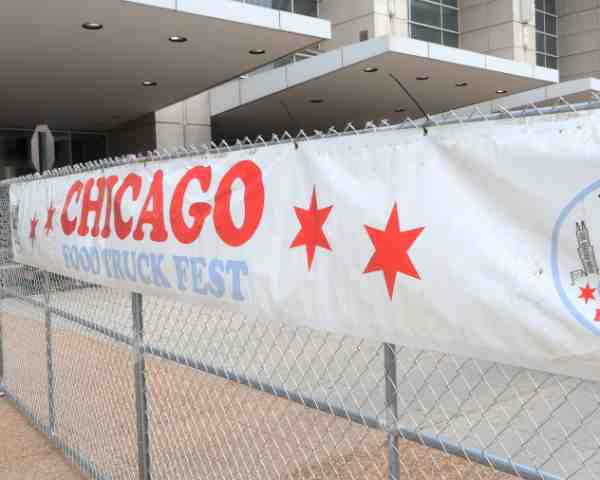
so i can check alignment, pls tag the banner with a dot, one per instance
(479, 240)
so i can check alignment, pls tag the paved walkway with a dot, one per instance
(26, 454)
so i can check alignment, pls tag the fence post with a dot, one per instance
(141, 409)
(1, 349)
(43, 156)
(49, 361)
(391, 405)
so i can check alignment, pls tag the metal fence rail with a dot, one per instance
(148, 388)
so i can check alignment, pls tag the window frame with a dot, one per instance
(440, 27)
(541, 30)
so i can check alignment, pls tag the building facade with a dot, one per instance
(563, 35)
(96, 72)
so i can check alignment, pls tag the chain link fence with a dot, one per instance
(133, 387)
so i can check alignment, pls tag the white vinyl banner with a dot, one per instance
(480, 240)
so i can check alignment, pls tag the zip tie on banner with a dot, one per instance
(535, 107)
(505, 110)
(350, 128)
(453, 113)
(480, 112)
(261, 140)
(412, 122)
(286, 135)
(371, 125)
(564, 102)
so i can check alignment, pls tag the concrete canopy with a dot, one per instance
(57, 73)
(572, 91)
(253, 106)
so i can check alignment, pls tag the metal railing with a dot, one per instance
(150, 388)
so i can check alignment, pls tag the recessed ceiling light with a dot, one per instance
(92, 26)
(461, 84)
(149, 83)
(316, 100)
(500, 91)
(400, 110)
(423, 77)
(370, 69)
(245, 76)
(257, 51)
(177, 39)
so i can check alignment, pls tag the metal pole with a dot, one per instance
(43, 157)
(1, 350)
(141, 408)
(49, 362)
(391, 405)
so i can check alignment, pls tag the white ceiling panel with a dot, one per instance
(55, 72)
(349, 94)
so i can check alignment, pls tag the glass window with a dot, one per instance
(306, 7)
(426, 13)
(15, 158)
(427, 34)
(86, 147)
(434, 21)
(450, 19)
(450, 39)
(15, 150)
(540, 42)
(552, 62)
(541, 59)
(62, 150)
(288, 60)
(302, 7)
(277, 4)
(546, 38)
(551, 24)
(282, 62)
(539, 21)
(551, 46)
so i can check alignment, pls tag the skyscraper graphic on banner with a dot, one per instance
(585, 252)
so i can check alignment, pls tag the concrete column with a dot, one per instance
(184, 123)
(503, 28)
(579, 38)
(391, 17)
(133, 137)
(356, 20)
(348, 19)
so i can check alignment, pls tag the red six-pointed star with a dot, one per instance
(391, 251)
(49, 220)
(311, 228)
(587, 293)
(34, 222)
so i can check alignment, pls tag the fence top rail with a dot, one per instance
(452, 117)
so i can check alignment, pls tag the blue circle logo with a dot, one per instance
(573, 257)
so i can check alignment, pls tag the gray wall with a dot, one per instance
(133, 137)
(502, 28)
(184, 123)
(579, 38)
